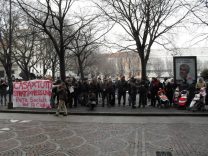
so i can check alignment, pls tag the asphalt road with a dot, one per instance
(39, 134)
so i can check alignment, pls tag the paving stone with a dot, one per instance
(33, 140)
(4, 135)
(28, 132)
(85, 150)
(63, 138)
(39, 149)
(61, 134)
(69, 143)
(12, 152)
(8, 145)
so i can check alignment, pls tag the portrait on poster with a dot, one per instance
(185, 69)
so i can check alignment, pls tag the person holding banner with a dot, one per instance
(62, 93)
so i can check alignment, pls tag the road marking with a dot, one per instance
(19, 121)
(25, 121)
(143, 143)
(13, 121)
(136, 143)
(4, 129)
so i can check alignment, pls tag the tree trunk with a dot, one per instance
(9, 59)
(81, 69)
(53, 70)
(44, 68)
(10, 84)
(140, 51)
(27, 74)
(62, 66)
(143, 69)
(144, 72)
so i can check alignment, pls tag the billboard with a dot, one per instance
(185, 69)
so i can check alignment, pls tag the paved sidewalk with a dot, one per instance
(114, 111)
(47, 135)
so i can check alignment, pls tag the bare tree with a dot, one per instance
(199, 66)
(9, 20)
(26, 49)
(51, 17)
(144, 21)
(199, 21)
(200, 11)
(105, 65)
(132, 62)
(169, 65)
(45, 55)
(121, 68)
(49, 57)
(91, 65)
(158, 66)
(84, 45)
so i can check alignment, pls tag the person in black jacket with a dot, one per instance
(76, 91)
(111, 93)
(84, 88)
(133, 92)
(94, 88)
(143, 91)
(3, 91)
(169, 87)
(122, 88)
(104, 88)
(153, 88)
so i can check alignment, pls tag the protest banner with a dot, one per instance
(33, 93)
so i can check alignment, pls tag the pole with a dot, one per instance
(10, 104)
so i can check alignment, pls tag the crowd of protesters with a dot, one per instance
(107, 92)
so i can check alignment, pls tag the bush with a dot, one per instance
(204, 74)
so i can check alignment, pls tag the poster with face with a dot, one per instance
(185, 69)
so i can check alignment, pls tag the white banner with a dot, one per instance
(33, 93)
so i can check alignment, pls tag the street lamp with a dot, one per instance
(10, 104)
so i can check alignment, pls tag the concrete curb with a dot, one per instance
(109, 113)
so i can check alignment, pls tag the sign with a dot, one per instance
(185, 70)
(33, 94)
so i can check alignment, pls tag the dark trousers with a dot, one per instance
(83, 98)
(104, 96)
(75, 99)
(142, 100)
(97, 96)
(122, 95)
(70, 100)
(111, 99)
(133, 100)
(3, 96)
(153, 100)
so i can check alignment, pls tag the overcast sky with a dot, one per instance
(187, 37)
